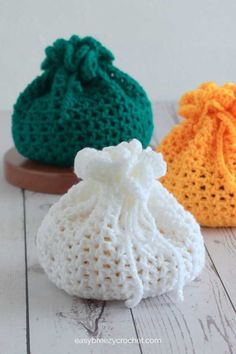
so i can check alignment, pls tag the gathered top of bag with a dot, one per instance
(201, 154)
(84, 57)
(125, 169)
(80, 100)
(119, 234)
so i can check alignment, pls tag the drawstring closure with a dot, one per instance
(74, 64)
(227, 122)
(83, 56)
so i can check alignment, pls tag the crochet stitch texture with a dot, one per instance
(80, 100)
(201, 155)
(119, 234)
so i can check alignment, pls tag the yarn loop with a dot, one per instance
(82, 56)
(128, 168)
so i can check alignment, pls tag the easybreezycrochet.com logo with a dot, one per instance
(114, 341)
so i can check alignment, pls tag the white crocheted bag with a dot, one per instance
(119, 234)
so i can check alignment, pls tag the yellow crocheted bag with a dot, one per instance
(201, 155)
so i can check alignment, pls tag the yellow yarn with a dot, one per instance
(201, 155)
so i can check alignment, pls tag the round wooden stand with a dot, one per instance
(35, 176)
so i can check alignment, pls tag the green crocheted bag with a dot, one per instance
(80, 100)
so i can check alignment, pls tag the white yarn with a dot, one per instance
(119, 234)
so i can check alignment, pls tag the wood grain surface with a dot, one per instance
(38, 318)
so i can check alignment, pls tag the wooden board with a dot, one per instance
(13, 309)
(203, 323)
(35, 176)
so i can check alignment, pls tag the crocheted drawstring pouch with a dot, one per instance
(201, 155)
(80, 100)
(119, 234)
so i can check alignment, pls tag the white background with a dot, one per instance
(168, 46)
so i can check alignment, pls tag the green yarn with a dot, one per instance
(80, 100)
